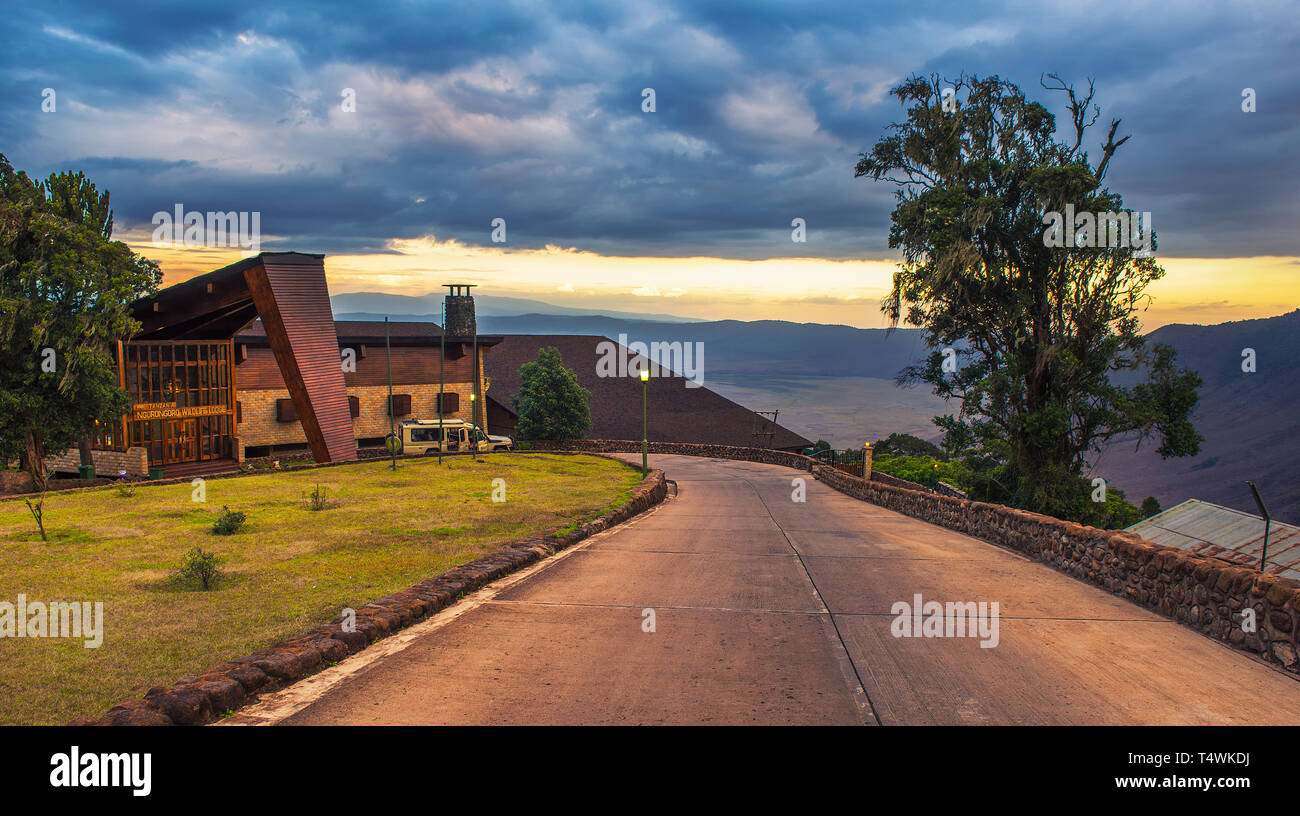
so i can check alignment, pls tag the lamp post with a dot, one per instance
(645, 388)
(1268, 521)
(392, 432)
(473, 419)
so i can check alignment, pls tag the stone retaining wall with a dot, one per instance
(1207, 594)
(770, 457)
(135, 461)
(894, 481)
(227, 686)
(945, 489)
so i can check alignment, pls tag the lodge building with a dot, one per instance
(248, 360)
(268, 419)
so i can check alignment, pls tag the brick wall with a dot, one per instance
(1207, 594)
(259, 425)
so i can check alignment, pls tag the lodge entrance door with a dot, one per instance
(180, 441)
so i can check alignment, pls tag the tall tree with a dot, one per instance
(1036, 338)
(550, 403)
(64, 291)
(74, 197)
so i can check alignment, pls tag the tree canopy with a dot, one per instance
(64, 290)
(550, 403)
(1029, 337)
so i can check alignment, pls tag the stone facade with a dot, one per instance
(1207, 594)
(135, 461)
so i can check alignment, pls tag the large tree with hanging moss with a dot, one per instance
(1043, 349)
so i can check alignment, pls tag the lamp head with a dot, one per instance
(645, 375)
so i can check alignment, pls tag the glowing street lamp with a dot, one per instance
(645, 387)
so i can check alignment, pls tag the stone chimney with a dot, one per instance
(459, 307)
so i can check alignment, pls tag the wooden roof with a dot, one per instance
(211, 306)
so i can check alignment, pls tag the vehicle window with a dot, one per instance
(424, 434)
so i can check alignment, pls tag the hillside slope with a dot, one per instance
(1249, 421)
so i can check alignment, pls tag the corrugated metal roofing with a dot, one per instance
(1209, 529)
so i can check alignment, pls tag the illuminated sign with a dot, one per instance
(164, 411)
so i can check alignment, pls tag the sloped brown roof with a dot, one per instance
(676, 413)
(210, 306)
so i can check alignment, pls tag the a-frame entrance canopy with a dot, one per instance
(287, 290)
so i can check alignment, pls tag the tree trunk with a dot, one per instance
(34, 459)
(83, 447)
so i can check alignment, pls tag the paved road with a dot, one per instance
(772, 611)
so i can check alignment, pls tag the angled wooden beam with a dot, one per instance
(293, 301)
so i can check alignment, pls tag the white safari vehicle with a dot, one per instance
(419, 436)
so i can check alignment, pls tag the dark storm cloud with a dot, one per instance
(469, 112)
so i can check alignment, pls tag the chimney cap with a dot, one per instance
(459, 289)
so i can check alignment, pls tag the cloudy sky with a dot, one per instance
(533, 113)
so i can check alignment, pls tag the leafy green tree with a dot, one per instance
(1150, 507)
(550, 403)
(73, 196)
(1036, 334)
(64, 291)
(898, 444)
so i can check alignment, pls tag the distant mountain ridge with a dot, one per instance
(732, 348)
(428, 307)
(1250, 420)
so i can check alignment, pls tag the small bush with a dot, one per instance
(125, 492)
(200, 570)
(317, 500)
(228, 522)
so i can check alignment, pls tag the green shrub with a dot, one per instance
(317, 499)
(228, 522)
(925, 470)
(199, 570)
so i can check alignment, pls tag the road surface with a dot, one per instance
(771, 611)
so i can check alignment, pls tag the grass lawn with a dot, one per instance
(289, 568)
